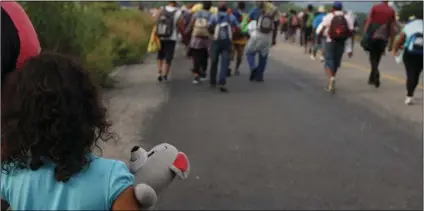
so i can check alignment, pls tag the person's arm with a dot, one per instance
(189, 28)
(392, 31)
(126, 200)
(121, 194)
(399, 43)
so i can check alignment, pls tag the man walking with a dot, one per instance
(166, 29)
(266, 17)
(379, 31)
(200, 41)
(222, 25)
(337, 29)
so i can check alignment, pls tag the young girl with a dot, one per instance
(52, 118)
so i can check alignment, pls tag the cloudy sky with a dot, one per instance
(357, 6)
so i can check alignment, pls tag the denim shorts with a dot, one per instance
(333, 53)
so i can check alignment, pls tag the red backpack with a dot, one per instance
(339, 28)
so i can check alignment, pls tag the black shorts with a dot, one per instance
(308, 33)
(167, 49)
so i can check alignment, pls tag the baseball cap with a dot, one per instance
(337, 5)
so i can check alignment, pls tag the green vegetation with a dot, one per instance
(100, 34)
(408, 8)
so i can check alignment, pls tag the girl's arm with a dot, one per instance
(398, 44)
(125, 201)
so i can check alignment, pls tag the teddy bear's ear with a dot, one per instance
(138, 159)
(181, 166)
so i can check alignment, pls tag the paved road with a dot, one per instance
(288, 144)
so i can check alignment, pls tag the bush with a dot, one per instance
(101, 34)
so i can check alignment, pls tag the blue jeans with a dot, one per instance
(260, 68)
(220, 48)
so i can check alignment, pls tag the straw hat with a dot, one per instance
(321, 9)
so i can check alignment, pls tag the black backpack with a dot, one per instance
(165, 24)
(339, 28)
(415, 44)
(265, 23)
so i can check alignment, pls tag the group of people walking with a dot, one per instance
(318, 33)
(218, 36)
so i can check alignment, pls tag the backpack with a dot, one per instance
(294, 21)
(310, 19)
(223, 29)
(415, 44)
(339, 28)
(201, 27)
(165, 24)
(265, 23)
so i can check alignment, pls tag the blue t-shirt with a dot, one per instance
(317, 20)
(411, 28)
(254, 14)
(94, 188)
(223, 17)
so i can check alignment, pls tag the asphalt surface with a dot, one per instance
(288, 144)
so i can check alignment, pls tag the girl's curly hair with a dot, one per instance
(51, 111)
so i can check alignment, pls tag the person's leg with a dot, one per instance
(204, 57)
(231, 59)
(329, 64)
(239, 56)
(196, 57)
(339, 48)
(160, 60)
(263, 60)
(214, 62)
(377, 49)
(413, 67)
(169, 56)
(225, 51)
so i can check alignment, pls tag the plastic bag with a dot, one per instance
(154, 42)
(399, 57)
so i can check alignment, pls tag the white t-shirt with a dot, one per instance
(326, 22)
(174, 35)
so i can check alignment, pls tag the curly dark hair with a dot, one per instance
(51, 112)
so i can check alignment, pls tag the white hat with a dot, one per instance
(321, 9)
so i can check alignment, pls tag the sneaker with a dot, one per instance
(312, 57)
(195, 81)
(165, 78)
(223, 89)
(203, 78)
(229, 72)
(252, 75)
(321, 58)
(332, 85)
(160, 78)
(409, 101)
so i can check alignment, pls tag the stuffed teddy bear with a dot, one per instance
(155, 170)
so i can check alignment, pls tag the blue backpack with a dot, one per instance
(415, 44)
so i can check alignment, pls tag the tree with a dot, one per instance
(408, 8)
